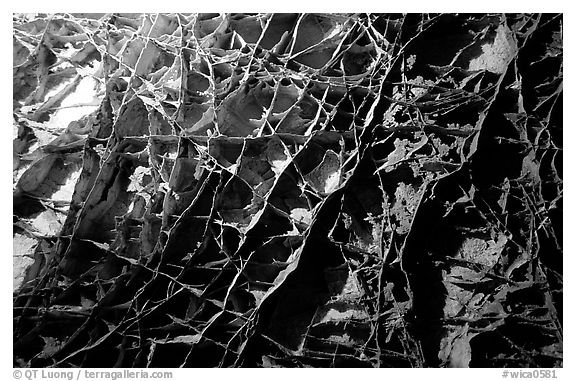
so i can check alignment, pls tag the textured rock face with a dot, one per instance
(287, 190)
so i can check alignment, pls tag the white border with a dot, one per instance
(297, 6)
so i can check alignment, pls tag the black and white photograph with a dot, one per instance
(287, 190)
